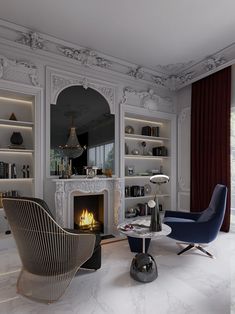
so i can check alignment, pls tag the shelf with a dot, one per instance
(5, 122)
(145, 157)
(138, 177)
(17, 179)
(146, 138)
(11, 150)
(147, 196)
(140, 120)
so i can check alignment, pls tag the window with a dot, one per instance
(102, 156)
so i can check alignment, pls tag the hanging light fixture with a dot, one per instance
(72, 149)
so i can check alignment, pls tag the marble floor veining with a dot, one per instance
(191, 283)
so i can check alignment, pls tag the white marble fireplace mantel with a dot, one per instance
(66, 189)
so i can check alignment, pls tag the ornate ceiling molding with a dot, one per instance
(171, 77)
(62, 81)
(26, 68)
(85, 57)
(137, 73)
(31, 39)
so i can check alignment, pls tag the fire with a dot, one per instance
(86, 218)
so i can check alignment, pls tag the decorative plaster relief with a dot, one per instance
(23, 67)
(85, 57)
(213, 62)
(60, 82)
(173, 82)
(148, 99)
(31, 39)
(137, 73)
(184, 149)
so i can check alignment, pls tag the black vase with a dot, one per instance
(155, 223)
(16, 138)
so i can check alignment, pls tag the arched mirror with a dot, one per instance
(81, 115)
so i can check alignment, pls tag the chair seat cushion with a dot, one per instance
(176, 219)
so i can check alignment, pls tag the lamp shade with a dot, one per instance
(159, 179)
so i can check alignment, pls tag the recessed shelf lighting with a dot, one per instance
(143, 139)
(16, 100)
(145, 121)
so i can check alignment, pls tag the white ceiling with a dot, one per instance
(148, 33)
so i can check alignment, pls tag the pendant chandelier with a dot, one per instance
(72, 149)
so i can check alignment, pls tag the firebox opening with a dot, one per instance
(89, 213)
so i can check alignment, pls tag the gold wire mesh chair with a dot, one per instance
(50, 255)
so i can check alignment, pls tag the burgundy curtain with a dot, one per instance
(210, 139)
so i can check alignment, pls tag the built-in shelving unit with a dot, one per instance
(21, 165)
(146, 154)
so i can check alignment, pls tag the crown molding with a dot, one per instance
(171, 77)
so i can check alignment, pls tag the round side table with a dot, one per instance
(143, 266)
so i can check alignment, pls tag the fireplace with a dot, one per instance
(89, 213)
(108, 189)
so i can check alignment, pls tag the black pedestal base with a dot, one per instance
(143, 268)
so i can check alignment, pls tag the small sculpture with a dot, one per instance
(27, 171)
(14, 175)
(24, 171)
(16, 138)
(13, 117)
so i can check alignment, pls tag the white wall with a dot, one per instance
(183, 145)
(23, 64)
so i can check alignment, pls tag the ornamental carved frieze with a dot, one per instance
(173, 82)
(148, 99)
(118, 197)
(89, 186)
(213, 62)
(137, 73)
(24, 67)
(85, 57)
(60, 82)
(32, 40)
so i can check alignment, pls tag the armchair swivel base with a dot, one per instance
(196, 246)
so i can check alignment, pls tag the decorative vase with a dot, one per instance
(16, 138)
(155, 223)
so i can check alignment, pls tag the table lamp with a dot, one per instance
(155, 224)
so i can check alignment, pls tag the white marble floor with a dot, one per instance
(191, 283)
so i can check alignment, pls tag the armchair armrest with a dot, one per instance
(180, 214)
(194, 232)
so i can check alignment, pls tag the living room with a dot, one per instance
(90, 116)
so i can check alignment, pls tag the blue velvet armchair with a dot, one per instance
(199, 227)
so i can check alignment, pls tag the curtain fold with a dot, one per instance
(210, 139)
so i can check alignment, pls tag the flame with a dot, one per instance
(86, 218)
